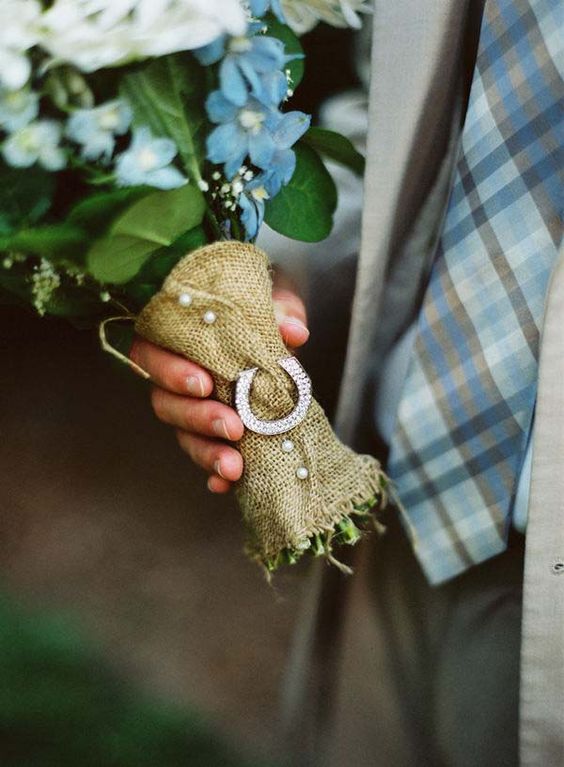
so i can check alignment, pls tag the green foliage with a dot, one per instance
(117, 259)
(168, 96)
(155, 221)
(96, 212)
(153, 272)
(303, 210)
(61, 705)
(292, 47)
(335, 147)
(25, 196)
(57, 242)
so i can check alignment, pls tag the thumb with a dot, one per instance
(290, 314)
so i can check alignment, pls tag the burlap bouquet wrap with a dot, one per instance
(281, 511)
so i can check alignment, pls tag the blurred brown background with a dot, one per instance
(103, 516)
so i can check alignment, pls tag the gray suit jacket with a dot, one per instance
(414, 88)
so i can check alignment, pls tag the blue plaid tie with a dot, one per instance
(466, 409)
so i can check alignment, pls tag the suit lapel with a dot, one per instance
(542, 651)
(414, 77)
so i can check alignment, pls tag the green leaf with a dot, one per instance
(335, 147)
(292, 46)
(96, 212)
(158, 265)
(161, 217)
(303, 210)
(162, 261)
(25, 196)
(168, 95)
(57, 242)
(146, 226)
(118, 258)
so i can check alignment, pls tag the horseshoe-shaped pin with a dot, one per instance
(281, 425)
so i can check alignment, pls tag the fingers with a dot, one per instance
(218, 485)
(223, 462)
(203, 417)
(171, 371)
(290, 314)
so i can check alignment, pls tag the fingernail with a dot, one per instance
(296, 323)
(195, 386)
(219, 428)
(217, 469)
(210, 488)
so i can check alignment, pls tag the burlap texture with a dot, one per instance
(280, 510)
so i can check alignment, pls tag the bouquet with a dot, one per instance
(143, 144)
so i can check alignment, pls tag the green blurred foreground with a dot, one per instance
(60, 705)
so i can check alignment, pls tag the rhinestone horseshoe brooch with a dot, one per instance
(281, 425)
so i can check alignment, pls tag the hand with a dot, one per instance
(181, 396)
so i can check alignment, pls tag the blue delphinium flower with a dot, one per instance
(241, 132)
(252, 203)
(290, 127)
(246, 60)
(96, 129)
(148, 162)
(253, 131)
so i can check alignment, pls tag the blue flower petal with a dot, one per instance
(276, 7)
(273, 89)
(292, 126)
(232, 82)
(281, 170)
(164, 149)
(261, 149)
(266, 55)
(250, 75)
(165, 178)
(211, 53)
(231, 167)
(219, 109)
(252, 215)
(225, 141)
(259, 7)
(228, 144)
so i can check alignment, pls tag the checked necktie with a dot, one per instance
(467, 405)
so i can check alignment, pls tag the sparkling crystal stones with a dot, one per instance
(281, 425)
(302, 472)
(287, 445)
(209, 317)
(185, 299)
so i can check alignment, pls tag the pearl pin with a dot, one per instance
(209, 317)
(287, 445)
(185, 299)
(302, 472)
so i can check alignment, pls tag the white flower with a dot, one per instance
(303, 15)
(96, 128)
(44, 281)
(148, 162)
(36, 142)
(18, 33)
(101, 33)
(17, 108)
